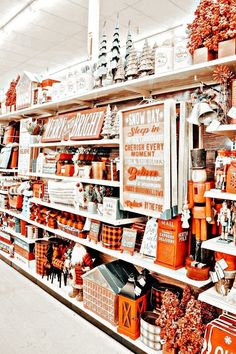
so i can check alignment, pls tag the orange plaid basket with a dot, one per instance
(111, 236)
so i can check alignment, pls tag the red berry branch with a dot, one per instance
(214, 21)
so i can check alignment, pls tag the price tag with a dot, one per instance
(232, 113)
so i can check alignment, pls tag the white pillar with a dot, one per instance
(93, 29)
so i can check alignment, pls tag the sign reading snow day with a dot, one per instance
(145, 151)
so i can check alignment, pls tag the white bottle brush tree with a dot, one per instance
(115, 50)
(129, 44)
(115, 131)
(146, 62)
(107, 127)
(131, 71)
(120, 72)
(102, 57)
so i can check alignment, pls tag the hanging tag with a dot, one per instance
(219, 271)
(232, 113)
(222, 263)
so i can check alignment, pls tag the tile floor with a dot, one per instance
(33, 322)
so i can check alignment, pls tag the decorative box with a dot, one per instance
(202, 55)
(111, 236)
(38, 189)
(227, 48)
(172, 243)
(111, 208)
(101, 286)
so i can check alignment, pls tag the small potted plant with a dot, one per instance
(35, 129)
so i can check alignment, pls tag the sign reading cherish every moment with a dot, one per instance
(145, 151)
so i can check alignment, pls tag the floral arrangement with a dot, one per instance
(214, 21)
(35, 128)
(183, 322)
(96, 193)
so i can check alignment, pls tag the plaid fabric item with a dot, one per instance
(87, 262)
(41, 247)
(58, 263)
(111, 236)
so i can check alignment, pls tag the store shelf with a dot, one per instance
(63, 293)
(3, 192)
(12, 232)
(171, 81)
(103, 142)
(137, 259)
(215, 245)
(228, 130)
(217, 194)
(9, 170)
(211, 297)
(86, 214)
(77, 179)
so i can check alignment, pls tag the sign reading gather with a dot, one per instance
(145, 150)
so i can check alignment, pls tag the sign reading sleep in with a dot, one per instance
(145, 151)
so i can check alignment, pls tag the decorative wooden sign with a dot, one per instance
(94, 231)
(128, 240)
(149, 242)
(5, 155)
(111, 207)
(77, 125)
(146, 155)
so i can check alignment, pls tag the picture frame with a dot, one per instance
(128, 240)
(94, 232)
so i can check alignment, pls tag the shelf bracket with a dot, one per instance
(144, 93)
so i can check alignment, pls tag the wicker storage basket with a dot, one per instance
(41, 247)
(111, 236)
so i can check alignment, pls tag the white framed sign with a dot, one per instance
(146, 181)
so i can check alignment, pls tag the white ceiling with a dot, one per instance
(57, 35)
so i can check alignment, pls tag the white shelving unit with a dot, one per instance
(225, 129)
(12, 232)
(217, 194)
(103, 142)
(63, 292)
(172, 81)
(215, 245)
(84, 213)
(211, 297)
(77, 179)
(137, 259)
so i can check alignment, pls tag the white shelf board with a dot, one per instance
(217, 194)
(103, 142)
(214, 245)
(86, 214)
(9, 170)
(82, 180)
(171, 81)
(225, 129)
(3, 192)
(63, 292)
(210, 296)
(137, 259)
(18, 235)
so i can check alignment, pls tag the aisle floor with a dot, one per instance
(33, 322)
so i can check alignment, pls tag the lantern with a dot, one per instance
(131, 306)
